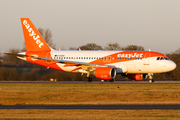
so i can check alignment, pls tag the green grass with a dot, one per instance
(59, 93)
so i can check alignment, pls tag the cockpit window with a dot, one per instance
(166, 58)
(162, 58)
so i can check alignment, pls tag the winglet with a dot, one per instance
(33, 39)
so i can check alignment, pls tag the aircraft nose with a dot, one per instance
(172, 65)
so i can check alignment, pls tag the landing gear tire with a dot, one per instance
(87, 79)
(111, 80)
(151, 81)
(90, 79)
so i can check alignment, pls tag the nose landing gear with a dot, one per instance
(150, 77)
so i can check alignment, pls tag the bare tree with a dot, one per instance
(47, 35)
(24, 48)
(133, 47)
(73, 48)
(91, 46)
(113, 46)
(10, 59)
(177, 51)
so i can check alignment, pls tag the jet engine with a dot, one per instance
(136, 76)
(105, 73)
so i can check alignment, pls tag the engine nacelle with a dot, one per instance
(136, 76)
(105, 73)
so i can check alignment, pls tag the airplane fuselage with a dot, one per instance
(124, 61)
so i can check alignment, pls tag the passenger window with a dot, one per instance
(158, 58)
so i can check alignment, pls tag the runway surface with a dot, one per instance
(94, 107)
(102, 82)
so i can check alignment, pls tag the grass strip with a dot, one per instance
(90, 114)
(59, 93)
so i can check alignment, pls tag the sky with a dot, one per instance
(153, 24)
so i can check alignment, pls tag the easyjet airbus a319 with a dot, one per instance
(136, 65)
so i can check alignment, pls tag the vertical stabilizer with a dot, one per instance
(33, 39)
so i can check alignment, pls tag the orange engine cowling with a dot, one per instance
(105, 73)
(135, 76)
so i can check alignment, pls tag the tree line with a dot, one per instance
(13, 68)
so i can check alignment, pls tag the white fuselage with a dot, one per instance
(130, 65)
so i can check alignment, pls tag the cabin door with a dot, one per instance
(147, 59)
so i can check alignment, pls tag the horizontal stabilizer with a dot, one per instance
(20, 55)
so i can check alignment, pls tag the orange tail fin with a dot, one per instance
(33, 39)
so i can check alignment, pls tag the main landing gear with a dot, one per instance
(88, 79)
